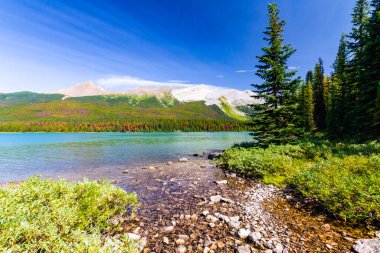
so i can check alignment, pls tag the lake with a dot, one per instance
(99, 155)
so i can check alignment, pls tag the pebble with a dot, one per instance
(170, 163)
(125, 171)
(243, 249)
(205, 213)
(179, 242)
(184, 237)
(254, 236)
(243, 233)
(211, 225)
(221, 182)
(183, 160)
(278, 248)
(211, 218)
(165, 240)
(133, 236)
(168, 229)
(215, 199)
(326, 227)
(181, 249)
(329, 246)
(152, 168)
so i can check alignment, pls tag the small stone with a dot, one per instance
(278, 248)
(243, 233)
(377, 234)
(235, 218)
(142, 243)
(326, 227)
(221, 245)
(254, 236)
(211, 218)
(234, 224)
(349, 239)
(125, 171)
(205, 213)
(211, 225)
(179, 242)
(187, 217)
(152, 168)
(165, 240)
(215, 199)
(366, 246)
(221, 182)
(329, 246)
(268, 251)
(133, 237)
(183, 160)
(206, 250)
(243, 249)
(168, 229)
(170, 163)
(116, 181)
(184, 237)
(181, 249)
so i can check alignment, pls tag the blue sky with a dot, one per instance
(47, 45)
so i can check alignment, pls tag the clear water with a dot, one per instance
(97, 154)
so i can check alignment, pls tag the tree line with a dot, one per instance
(162, 125)
(344, 104)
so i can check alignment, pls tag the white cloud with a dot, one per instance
(220, 76)
(293, 67)
(242, 71)
(132, 82)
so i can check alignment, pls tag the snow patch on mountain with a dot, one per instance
(212, 94)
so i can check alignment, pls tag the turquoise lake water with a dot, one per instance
(97, 155)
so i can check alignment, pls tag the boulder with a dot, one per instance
(366, 246)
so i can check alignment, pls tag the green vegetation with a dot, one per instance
(343, 178)
(57, 216)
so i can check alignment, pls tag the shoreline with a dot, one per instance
(193, 206)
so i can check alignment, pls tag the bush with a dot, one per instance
(348, 187)
(58, 216)
(343, 178)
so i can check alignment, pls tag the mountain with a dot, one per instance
(211, 95)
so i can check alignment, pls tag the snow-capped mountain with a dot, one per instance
(210, 94)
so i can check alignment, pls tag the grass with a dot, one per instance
(41, 215)
(230, 111)
(344, 179)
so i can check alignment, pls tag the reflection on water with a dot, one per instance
(26, 154)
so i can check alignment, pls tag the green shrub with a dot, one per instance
(58, 216)
(343, 178)
(348, 187)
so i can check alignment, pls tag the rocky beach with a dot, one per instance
(190, 205)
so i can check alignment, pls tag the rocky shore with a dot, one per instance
(189, 205)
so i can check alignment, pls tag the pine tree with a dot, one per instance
(369, 124)
(307, 107)
(309, 76)
(357, 40)
(275, 119)
(320, 96)
(337, 122)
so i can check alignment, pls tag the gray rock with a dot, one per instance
(234, 224)
(243, 233)
(221, 182)
(243, 249)
(222, 217)
(211, 218)
(165, 240)
(278, 248)
(168, 229)
(181, 249)
(133, 236)
(254, 236)
(215, 199)
(142, 243)
(366, 246)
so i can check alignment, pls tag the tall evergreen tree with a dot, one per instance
(320, 96)
(309, 76)
(307, 107)
(368, 120)
(275, 119)
(357, 40)
(337, 122)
